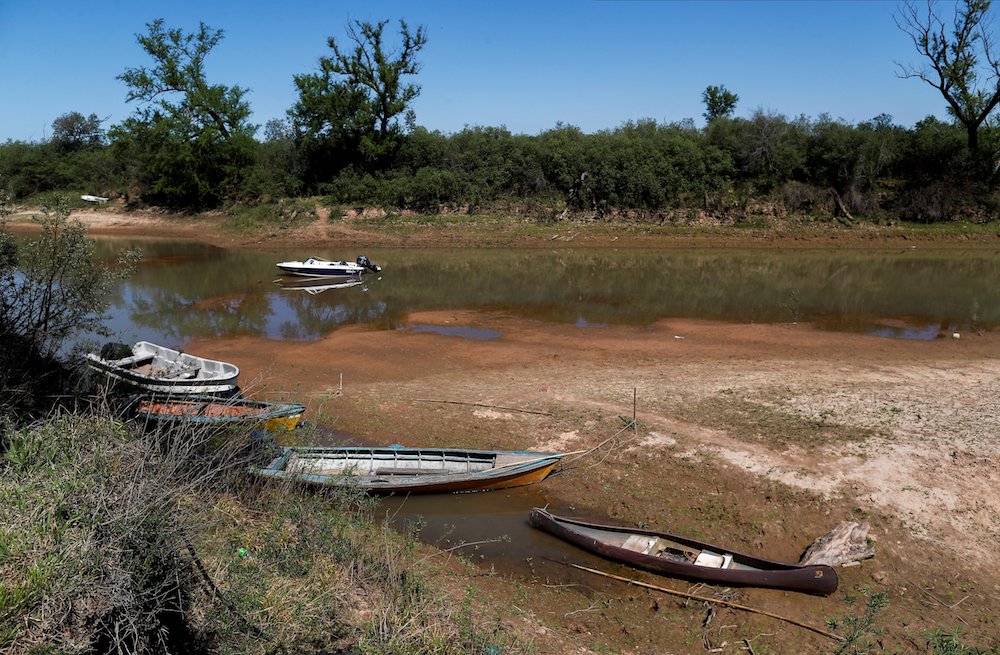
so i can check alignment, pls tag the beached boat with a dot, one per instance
(319, 267)
(155, 368)
(398, 470)
(683, 557)
(209, 411)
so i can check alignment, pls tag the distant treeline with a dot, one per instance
(874, 170)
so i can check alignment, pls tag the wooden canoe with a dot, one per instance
(217, 412)
(154, 368)
(398, 470)
(682, 557)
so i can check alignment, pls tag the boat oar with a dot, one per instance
(705, 599)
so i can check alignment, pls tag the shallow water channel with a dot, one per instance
(183, 290)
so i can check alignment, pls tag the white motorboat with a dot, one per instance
(319, 267)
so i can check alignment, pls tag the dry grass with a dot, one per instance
(117, 542)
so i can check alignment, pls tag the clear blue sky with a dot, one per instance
(522, 64)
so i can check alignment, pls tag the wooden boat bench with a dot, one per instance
(135, 361)
(183, 374)
(660, 547)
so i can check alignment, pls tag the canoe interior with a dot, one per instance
(663, 547)
(390, 462)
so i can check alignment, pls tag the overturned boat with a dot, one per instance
(319, 267)
(682, 557)
(394, 470)
(150, 367)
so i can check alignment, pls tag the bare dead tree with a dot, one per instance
(960, 59)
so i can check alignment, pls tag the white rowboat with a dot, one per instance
(157, 368)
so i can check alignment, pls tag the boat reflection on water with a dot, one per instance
(313, 286)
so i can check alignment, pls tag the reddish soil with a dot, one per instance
(761, 437)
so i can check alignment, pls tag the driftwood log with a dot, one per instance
(840, 212)
(846, 544)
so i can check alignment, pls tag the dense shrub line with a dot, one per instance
(877, 169)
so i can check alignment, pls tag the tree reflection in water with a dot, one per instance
(183, 290)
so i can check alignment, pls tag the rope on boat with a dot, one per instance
(580, 454)
(706, 599)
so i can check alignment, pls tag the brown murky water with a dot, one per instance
(182, 290)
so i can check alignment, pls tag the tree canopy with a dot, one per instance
(358, 95)
(192, 138)
(73, 130)
(719, 101)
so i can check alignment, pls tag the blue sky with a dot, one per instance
(525, 65)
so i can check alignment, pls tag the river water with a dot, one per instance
(184, 290)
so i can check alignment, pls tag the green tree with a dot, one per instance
(960, 59)
(73, 131)
(52, 290)
(52, 287)
(193, 139)
(719, 101)
(359, 94)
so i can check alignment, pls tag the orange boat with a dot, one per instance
(395, 469)
(217, 412)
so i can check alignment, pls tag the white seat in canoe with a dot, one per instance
(640, 543)
(713, 560)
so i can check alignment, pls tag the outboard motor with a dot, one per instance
(363, 261)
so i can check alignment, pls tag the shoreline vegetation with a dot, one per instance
(316, 222)
(117, 541)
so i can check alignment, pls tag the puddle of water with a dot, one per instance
(491, 530)
(910, 328)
